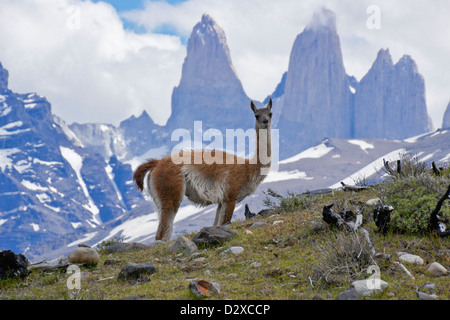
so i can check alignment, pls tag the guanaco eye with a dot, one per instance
(270, 114)
(257, 117)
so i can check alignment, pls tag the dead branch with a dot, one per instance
(436, 223)
(334, 218)
(346, 187)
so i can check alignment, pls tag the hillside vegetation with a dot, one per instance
(290, 254)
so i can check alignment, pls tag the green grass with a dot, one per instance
(301, 258)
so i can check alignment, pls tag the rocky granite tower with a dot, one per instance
(209, 84)
(446, 121)
(317, 98)
(390, 100)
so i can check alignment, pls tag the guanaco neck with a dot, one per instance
(263, 152)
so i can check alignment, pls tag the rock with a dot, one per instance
(133, 297)
(436, 269)
(259, 224)
(209, 82)
(204, 288)
(429, 287)
(426, 296)
(256, 265)
(410, 258)
(349, 294)
(234, 250)
(374, 201)
(13, 265)
(369, 287)
(124, 246)
(58, 263)
(84, 255)
(212, 236)
(379, 112)
(136, 271)
(277, 222)
(184, 244)
(446, 120)
(319, 41)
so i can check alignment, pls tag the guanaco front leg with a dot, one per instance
(229, 210)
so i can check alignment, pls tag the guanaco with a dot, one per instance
(224, 182)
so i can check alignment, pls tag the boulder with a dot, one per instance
(212, 236)
(410, 258)
(369, 287)
(84, 255)
(436, 269)
(13, 265)
(184, 244)
(349, 294)
(136, 271)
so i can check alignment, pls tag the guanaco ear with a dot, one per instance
(252, 105)
(269, 105)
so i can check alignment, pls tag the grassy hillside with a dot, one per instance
(294, 255)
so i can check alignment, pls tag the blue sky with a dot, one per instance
(127, 5)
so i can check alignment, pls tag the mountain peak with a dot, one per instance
(383, 58)
(407, 63)
(446, 120)
(324, 19)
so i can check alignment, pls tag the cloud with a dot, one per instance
(100, 72)
(78, 55)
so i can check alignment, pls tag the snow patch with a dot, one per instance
(311, 153)
(274, 176)
(5, 161)
(33, 186)
(76, 162)
(370, 169)
(87, 237)
(4, 129)
(35, 227)
(362, 144)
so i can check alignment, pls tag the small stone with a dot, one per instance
(426, 296)
(429, 286)
(204, 288)
(248, 231)
(374, 201)
(133, 297)
(369, 287)
(411, 258)
(256, 264)
(125, 246)
(84, 255)
(259, 224)
(136, 270)
(182, 243)
(350, 294)
(234, 250)
(436, 269)
(277, 222)
(111, 261)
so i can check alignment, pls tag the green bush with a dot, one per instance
(413, 199)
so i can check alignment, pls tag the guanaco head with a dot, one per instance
(263, 116)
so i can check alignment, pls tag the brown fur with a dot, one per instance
(141, 171)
